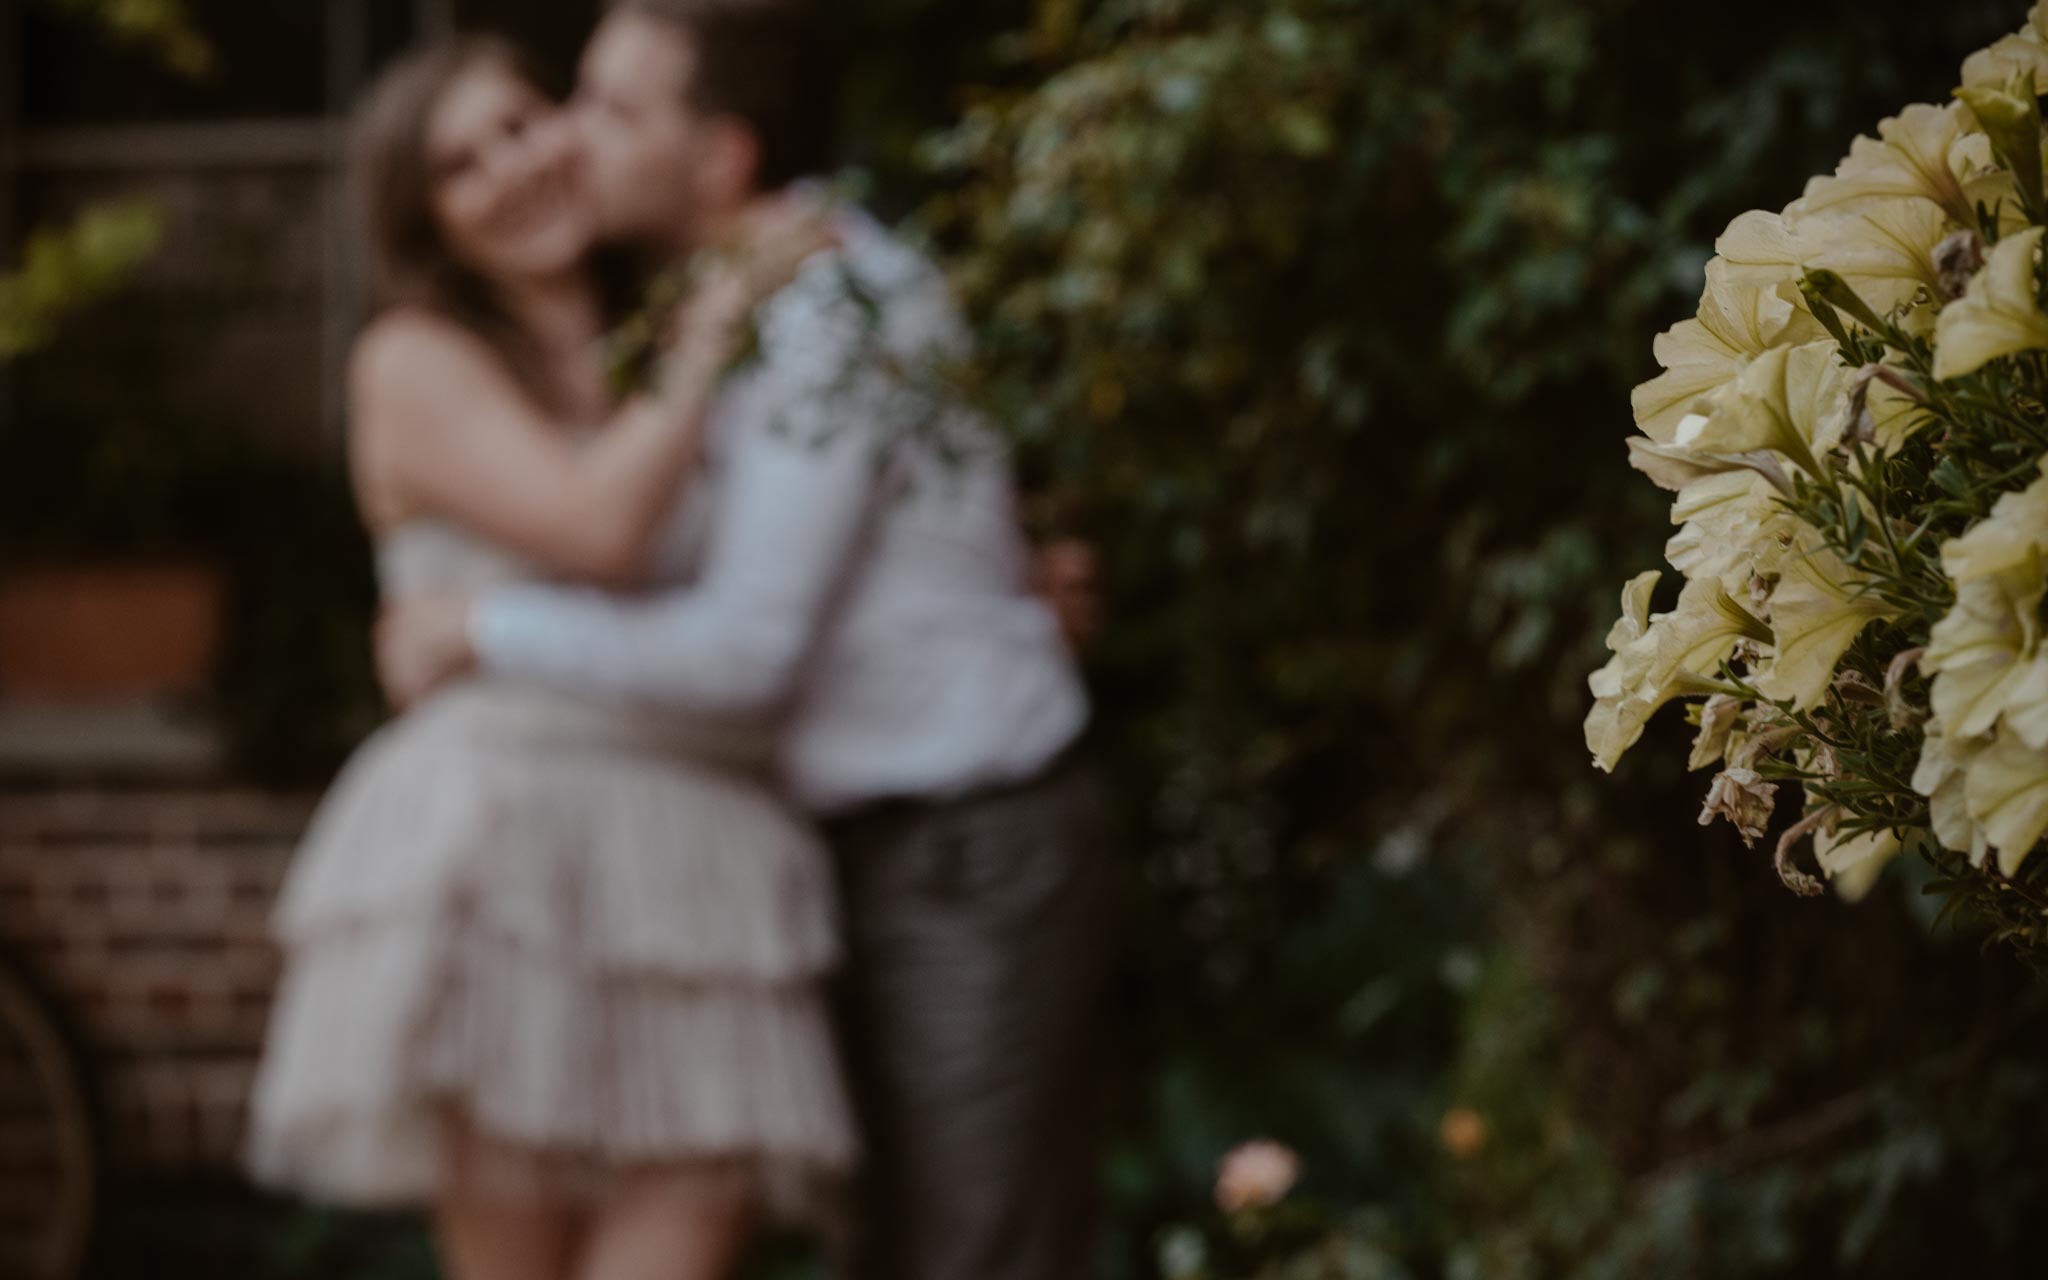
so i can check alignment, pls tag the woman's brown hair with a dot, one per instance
(393, 180)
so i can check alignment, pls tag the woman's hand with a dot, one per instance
(769, 245)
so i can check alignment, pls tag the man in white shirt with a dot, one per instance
(867, 584)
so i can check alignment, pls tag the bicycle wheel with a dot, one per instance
(49, 1161)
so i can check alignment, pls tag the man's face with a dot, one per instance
(645, 145)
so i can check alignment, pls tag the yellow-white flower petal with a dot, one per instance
(1908, 159)
(1738, 319)
(1971, 156)
(1998, 316)
(1981, 652)
(2006, 787)
(1617, 717)
(1674, 467)
(1940, 776)
(1759, 248)
(2010, 56)
(1718, 718)
(2026, 703)
(2010, 116)
(1616, 724)
(1853, 862)
(1986, 182)
(1635, 610)
(1894, 416)
(2015, 532)
(1699, 633)
(1672, 656)
(1995, 189)
(1730, 526)
(1883, 250)
(1790, 400)
(2025, 50)
(1817, 611)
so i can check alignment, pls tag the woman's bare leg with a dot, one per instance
(505, 1240)
(499, 1218)
(690, 1225)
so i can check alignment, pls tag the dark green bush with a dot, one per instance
(1323, 315)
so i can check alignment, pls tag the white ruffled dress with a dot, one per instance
(534, 942)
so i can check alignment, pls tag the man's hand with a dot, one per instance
(1063, 571)
(422, 644)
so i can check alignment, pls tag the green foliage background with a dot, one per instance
(1320, 316)
(1323, 315)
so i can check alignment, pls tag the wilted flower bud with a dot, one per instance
(1902, 714)
(1821, 759)
(1745, 799)
(1956, 259)
(1821, 819)
(1255, 1175)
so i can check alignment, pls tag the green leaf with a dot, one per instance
(66, 269)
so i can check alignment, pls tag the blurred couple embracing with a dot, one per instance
(736, 856)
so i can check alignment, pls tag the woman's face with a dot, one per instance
(505, 176)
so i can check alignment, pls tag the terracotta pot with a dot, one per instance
(108, 631)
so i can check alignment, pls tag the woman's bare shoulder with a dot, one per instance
(408, 352)
(413, 377)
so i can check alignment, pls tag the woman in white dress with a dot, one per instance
(552, 968)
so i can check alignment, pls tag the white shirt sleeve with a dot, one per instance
(805, 475)
(735, 642)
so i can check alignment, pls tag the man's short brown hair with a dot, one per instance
(768, 63)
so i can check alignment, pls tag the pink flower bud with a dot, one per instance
(1255, 1175)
